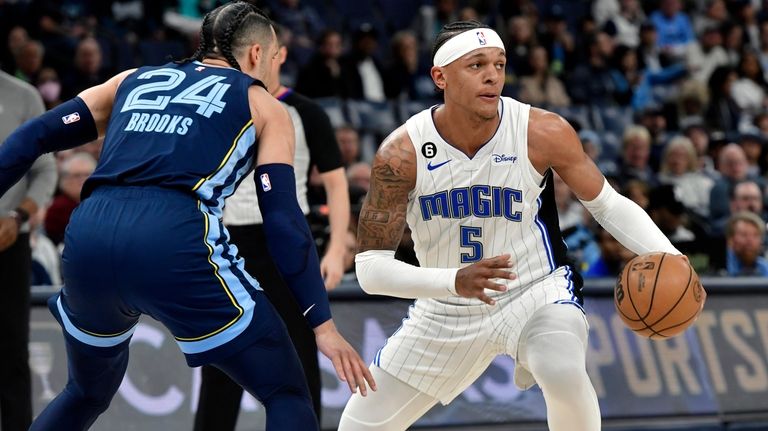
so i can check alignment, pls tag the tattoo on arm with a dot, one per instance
(393, 176)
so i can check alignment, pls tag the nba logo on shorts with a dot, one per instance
(265, 184)
(481, 38)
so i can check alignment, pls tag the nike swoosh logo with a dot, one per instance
(310, 307)
(432, 167)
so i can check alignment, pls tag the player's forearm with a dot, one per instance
(290, 242)
(336, 190)
(66, 126)
(379, 273)
(628, 223)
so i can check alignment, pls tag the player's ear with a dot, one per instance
(282, 55)
(256, 53)
(438, 77)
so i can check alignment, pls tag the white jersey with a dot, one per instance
(465, 209)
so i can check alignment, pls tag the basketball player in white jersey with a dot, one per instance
(473, 180)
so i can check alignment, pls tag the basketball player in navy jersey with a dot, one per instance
(473, 180)
(147, 237)
(219, 402)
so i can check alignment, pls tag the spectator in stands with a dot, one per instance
(591, 143)
(359, 175)
(761, 124)
(723, 112)
(668, 213)
(558, 40)
(604, 10)
(748, 91)
(699, 137)
(680, 168)
(20, 102)
(635, 157)
(29, 60)
(594, 82)
(349, 144)
(600, 152)
(674, 28)
(321, 77)
(746, 16)
(74, 171)
(649, 52)
(49, 87)
(693, 99)
(304, 24)
(637, 85)
(17, 38)
(88, 70)
(715, 14)
(541, 88)
(521, 41)
(469, 13)
(638, 192)
(403, 73)
(747, 195)
(704, 57)
(733, 168)
(625, 25)
(613, 256)
(432, 16)
(745, 237)
(733, 41)
(754, 147)
(363, 75)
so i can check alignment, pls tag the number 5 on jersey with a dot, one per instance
(469, 236)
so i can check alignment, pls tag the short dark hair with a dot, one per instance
(229, 28)
(452, 29)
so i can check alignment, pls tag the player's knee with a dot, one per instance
(359, 419)
(557, 359)
(93, 398)
(289, 408)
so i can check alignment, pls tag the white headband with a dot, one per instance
(464, 43)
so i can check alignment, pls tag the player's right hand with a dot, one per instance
(472, 280)
(349, 366)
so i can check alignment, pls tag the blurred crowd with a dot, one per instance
(669, 97)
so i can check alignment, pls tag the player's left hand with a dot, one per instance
(349, 366)
(9, 231)
(332, 268)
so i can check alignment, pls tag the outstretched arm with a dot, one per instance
(553, 143)
(382, 222)
(73, 123)
(288, 237)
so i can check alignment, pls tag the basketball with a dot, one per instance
(658, 295)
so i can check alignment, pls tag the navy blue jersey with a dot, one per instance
(181, 126)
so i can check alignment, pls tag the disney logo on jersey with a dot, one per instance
(503, 158)
(482, 201)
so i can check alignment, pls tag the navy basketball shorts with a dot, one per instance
(147, 250)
